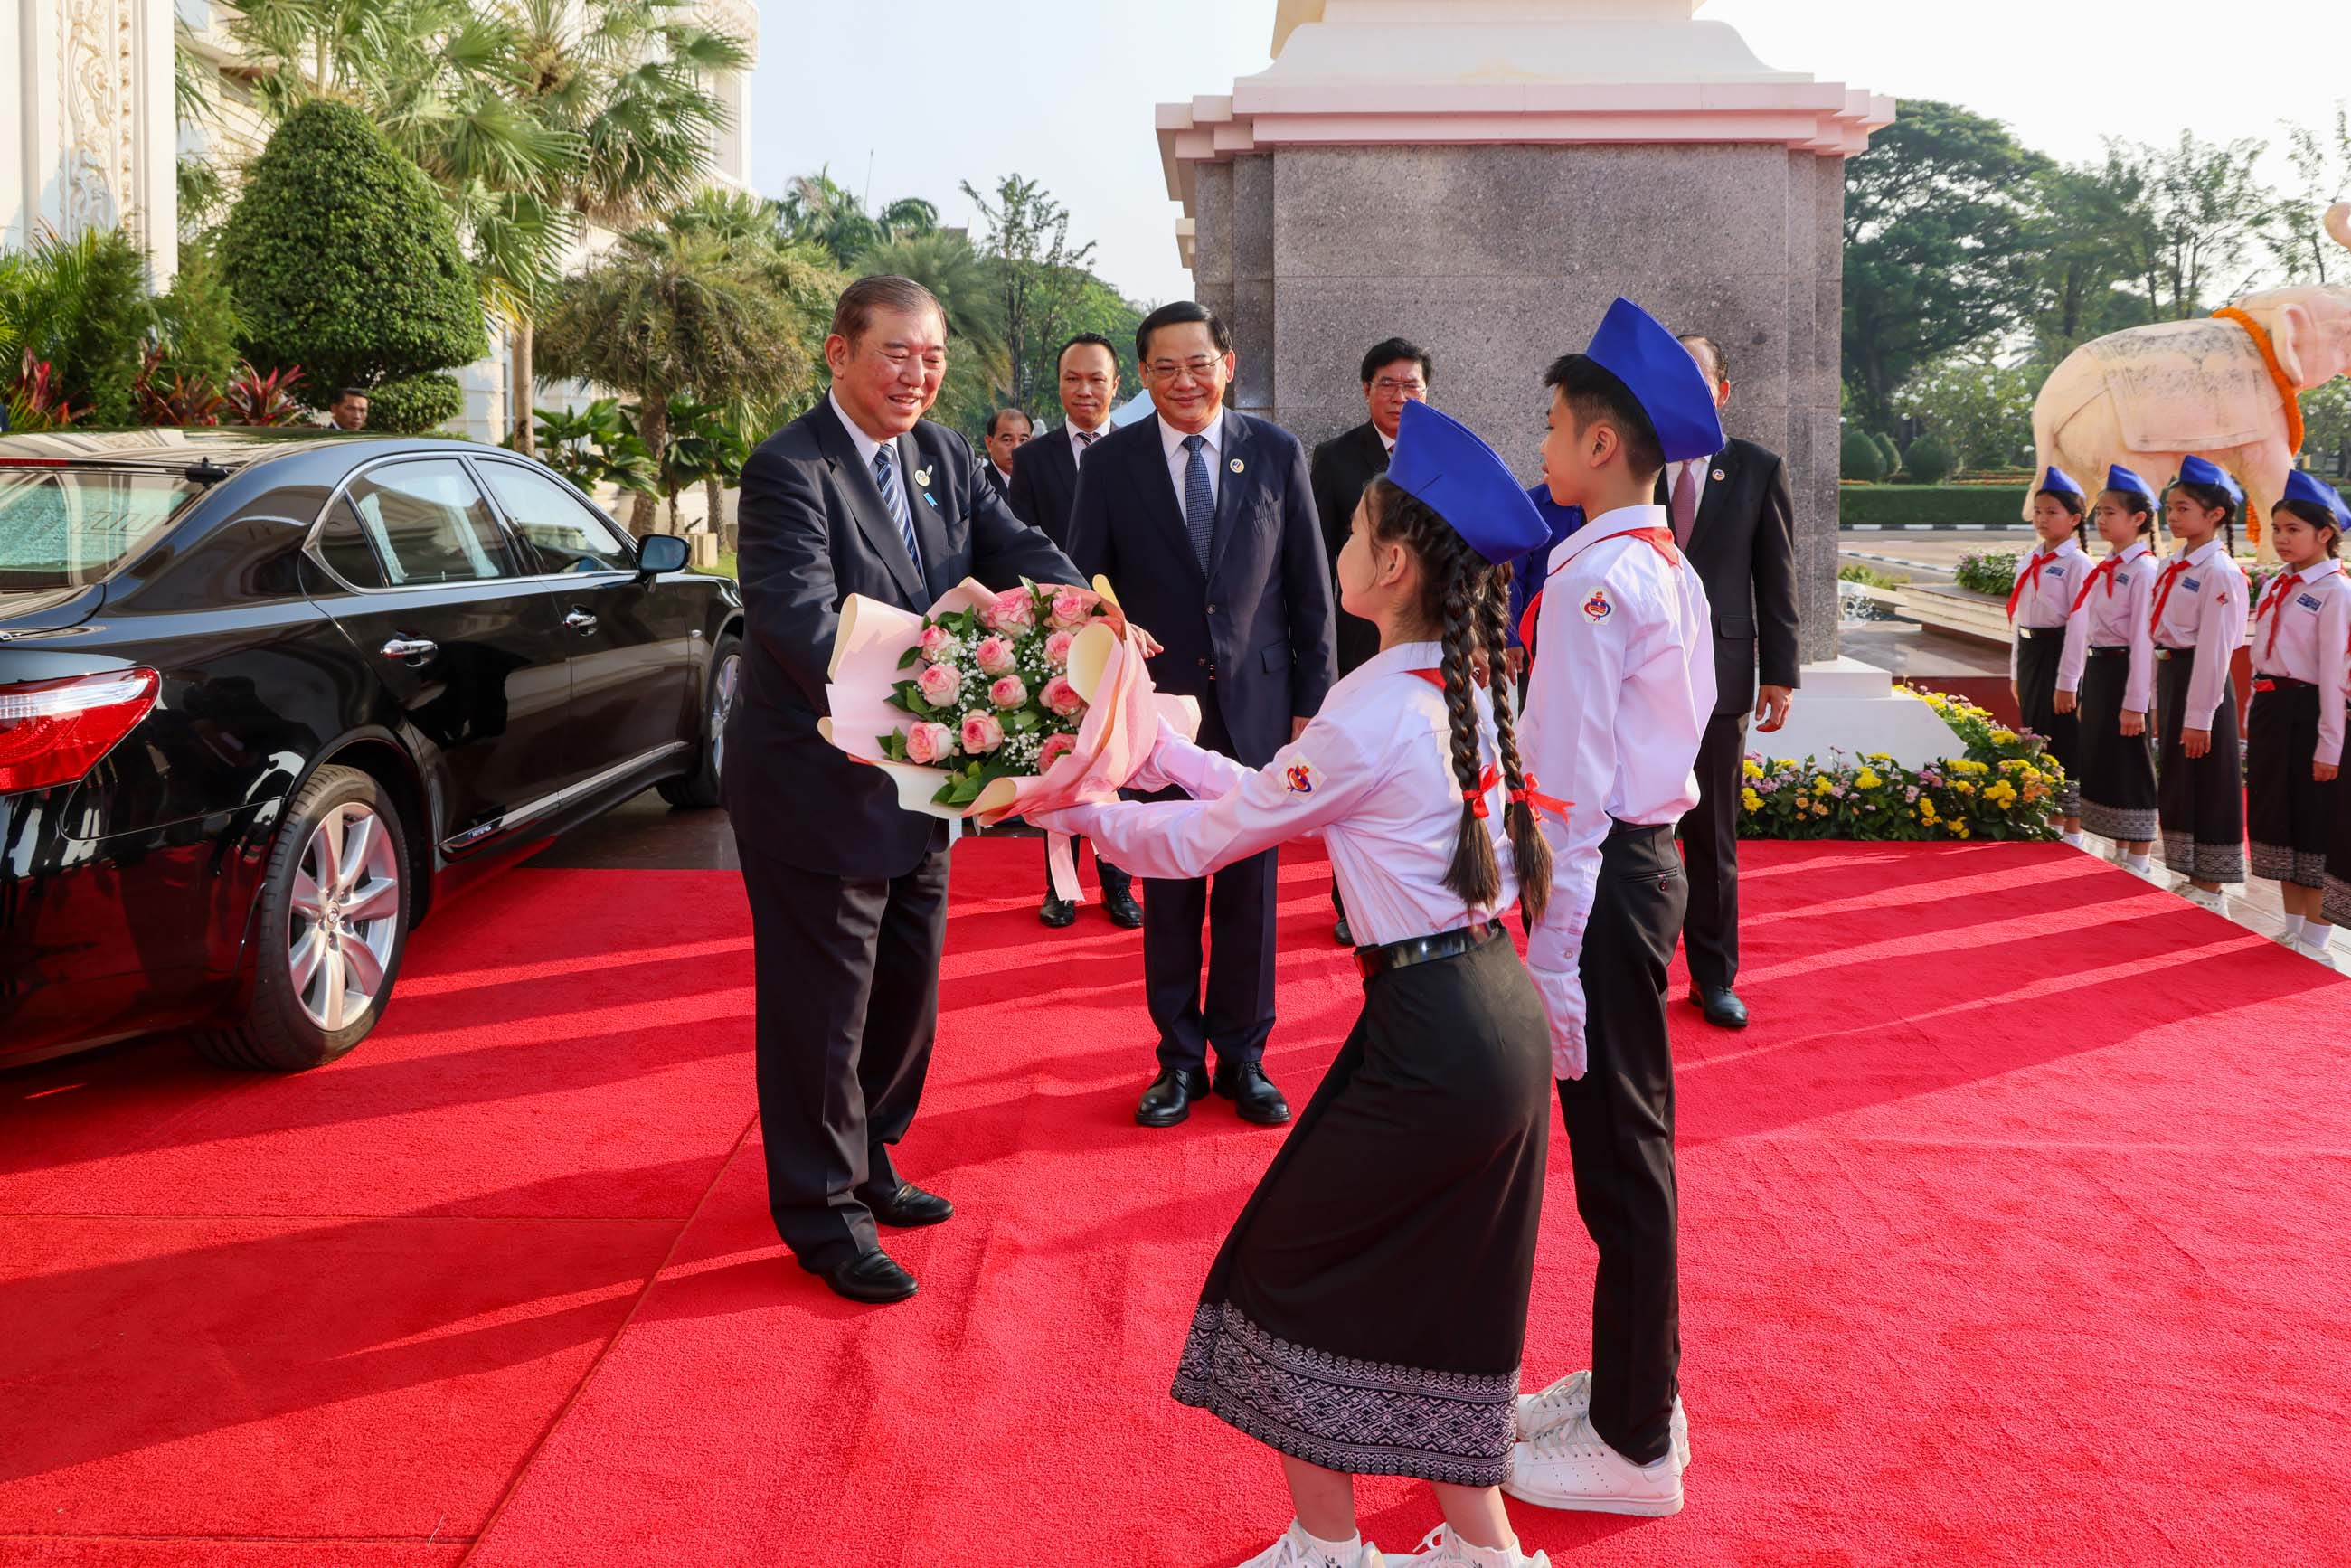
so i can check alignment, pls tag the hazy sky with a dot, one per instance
(970, 89)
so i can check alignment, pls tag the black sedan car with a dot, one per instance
(264, 699)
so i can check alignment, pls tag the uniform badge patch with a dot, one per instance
(1299, 777)
(2191, 584)
(1597, 609)
(2308, 601)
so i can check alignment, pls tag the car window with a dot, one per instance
(345, 547)
(430, 523)
(566, 533)
(61, 527)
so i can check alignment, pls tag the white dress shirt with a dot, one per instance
(2049, 602)
(1372, 772)
(2302, 630)
(1620, 692)
(1178, 460)
(1077, 447)
(866, 446)
(2205, 610)
(2115, 601)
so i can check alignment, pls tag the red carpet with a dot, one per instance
(2013, 1233)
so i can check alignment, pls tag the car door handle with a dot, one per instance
(415, 648)
(581, 620)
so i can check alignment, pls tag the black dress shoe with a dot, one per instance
(1253, 1094)
(1169, 1099)
(1721, 1005)
(1122, 909)
(873, 1277)
(910, 1206)
(1345, 938)
(1056, 912)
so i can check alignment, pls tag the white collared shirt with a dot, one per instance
(2311, 619)
(1178, 460)
(2120, 595)
(1387, 442)
(1077, 447)
(1372, 772)
(866, 446)
(1619, 697)
(1003, 475)
(2205, 610)
(2049, 602)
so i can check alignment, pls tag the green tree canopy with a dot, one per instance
(818, 210)
(979, 367)
(344, 261)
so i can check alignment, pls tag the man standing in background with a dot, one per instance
(1007, 430)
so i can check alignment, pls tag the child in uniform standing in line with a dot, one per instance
(2108, 672)
(2199, 622)
(2302, 674)
(2039, 607)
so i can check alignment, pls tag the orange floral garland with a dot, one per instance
(2287, 394)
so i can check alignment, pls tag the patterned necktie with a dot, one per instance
(885, 474)
(1086, 438)
(1199, 500)
(1685, 507)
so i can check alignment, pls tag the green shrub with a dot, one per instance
(1894, 506)
(1853, 571)
(1859, 458)
(81, 307)
(1893, 454)
(1987, 572)
(1929, 461)
(414, 404)
(344, 261)
(199, 326)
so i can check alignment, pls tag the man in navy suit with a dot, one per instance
(848, 892)
(1203, 519)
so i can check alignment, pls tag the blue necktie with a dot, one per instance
(885, 474)
(1199, 500)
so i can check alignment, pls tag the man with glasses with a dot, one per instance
(1395, 373)
(1204, 521)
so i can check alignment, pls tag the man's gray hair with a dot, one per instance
(882, 291)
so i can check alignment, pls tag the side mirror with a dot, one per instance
(658, 553)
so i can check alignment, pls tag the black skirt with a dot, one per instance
(2337, 880)
(2037, 658)
(2117, 770)
(2288, 813)
(2199, 800)
(1368, 1311)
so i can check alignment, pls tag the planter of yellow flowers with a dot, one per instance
(2002, 786)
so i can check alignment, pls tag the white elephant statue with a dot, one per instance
(2151, 395)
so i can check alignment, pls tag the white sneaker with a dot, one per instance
(2319, 952)
(1571, 1467)
(1571, 1397)
(2218, 903)
(2074, 840)
(1443, 1549)
(1293, 1550)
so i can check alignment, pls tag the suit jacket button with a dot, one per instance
(1202, 662)
(1212, 610)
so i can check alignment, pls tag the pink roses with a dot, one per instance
(1057, 648)
(1014, 610)
(1008, 692)
(1056, 747)
(1073, 606)
(995, 655)
(981, 733)
(939, 683)
(938, 643)
(927, 743)
(1060, 697)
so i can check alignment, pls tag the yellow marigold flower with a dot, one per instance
(1751, 799)
(1964, 788)
(1784, 764)
(2003, 792)
(1866, 779)
(1753, 768)
(1821, 785)
(2003, 738)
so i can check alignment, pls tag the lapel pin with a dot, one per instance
(1234, 465)
(1718, 474)
(923, 478)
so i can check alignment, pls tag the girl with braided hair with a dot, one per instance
(1367, 1312)
(2199, 623)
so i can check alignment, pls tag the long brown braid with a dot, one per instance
(1460, 595)
(1529, 850)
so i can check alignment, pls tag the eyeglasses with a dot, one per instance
(1388, 387)
(1199, 367)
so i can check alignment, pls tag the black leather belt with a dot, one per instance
(2175, 652)
(2030, 631)
(2108, 653)
(1377, 961)
(2279, 683)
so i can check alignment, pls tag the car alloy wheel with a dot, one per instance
(722, 703)
(345, 916)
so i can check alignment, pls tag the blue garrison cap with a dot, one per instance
(2057, 479)
(2197, 471)
(2121, 478)
(2317, 492)
(1663, 378)
(1440, 461)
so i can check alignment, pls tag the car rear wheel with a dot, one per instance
(333, 926)
(700, 788)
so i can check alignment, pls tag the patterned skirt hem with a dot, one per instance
(1358, 1417)
(2278, 862)
(2203, 862)
(2337, 905)
(2119, 823)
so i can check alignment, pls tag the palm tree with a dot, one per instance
(979, 367)
(665, 315)
(818, 210)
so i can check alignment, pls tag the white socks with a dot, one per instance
(2293, 928)
(2073, 839)
(2138, 865)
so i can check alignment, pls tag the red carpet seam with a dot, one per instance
(588, 1377)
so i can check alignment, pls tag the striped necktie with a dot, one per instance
(885, 476)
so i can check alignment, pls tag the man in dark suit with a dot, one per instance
(1734, 518)
(848, 892)
(1007, 432)
(1044, 485)
(1204, 522)
(1395, 373)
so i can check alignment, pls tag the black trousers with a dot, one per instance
(1114, 881)
(1236, 1012)
(1620, 1132)
(1709, 835)
(847, 976)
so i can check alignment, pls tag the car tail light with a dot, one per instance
(53, 732)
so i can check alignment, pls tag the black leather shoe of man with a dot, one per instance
(1122, 909)
(910, 1206)
(1253, 1094)
(1169, 1099)
(1345, 937)
(873, 1277)
(1723, 1007)
(1056, 912)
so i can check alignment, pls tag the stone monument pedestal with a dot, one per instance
(1484, 176)
(1849, 707)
